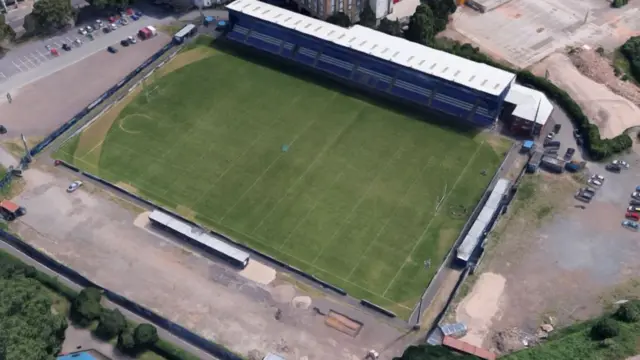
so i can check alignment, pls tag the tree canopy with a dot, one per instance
(421, 27)
(5, 30)
(105, 4)
(428, 352)
(28, 328)
(52, 14)
(390, 27)
(111, 324)
(86, 307)
(340, 19)
(441, 10)
(367, 16)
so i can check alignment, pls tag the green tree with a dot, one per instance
(421, 26)
(126, 342)
(52, 14)
(145, 335)
(112, 323)
(390, 27)
(86, 307)
(619, 3)
(105, 4)
(441, 10)
(5, 30)
(340, 19)
(628, 312)
(605, 328)
(367, 16)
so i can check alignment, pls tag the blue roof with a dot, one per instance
(528, 144)
(77, 356)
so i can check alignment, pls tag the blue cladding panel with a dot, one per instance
(365, 70)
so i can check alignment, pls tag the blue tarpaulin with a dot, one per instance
(77, 356)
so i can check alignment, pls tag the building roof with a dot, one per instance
(475, 233)
(429, 61)
(80, 355)
(465, 347)
(9, 205)
(530, 104)
(272, 356)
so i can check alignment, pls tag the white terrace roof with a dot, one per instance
(531, 104)
(436, 63)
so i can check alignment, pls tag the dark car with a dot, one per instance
(112, 50)
(569, 154)
(634, 202)
(106, 29)
(66, 47)
(125, 42)
(576, 133)
(613, 168)
(551, 144)
(556, 128)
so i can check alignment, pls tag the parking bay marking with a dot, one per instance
(17, 66)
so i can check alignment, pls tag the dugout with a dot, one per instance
(199, 239)
(186, 32)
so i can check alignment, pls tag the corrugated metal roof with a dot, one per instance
(468, 348)
(472, 239)
(198, 235)
(429, 61)
(271, 356)
(531, 104)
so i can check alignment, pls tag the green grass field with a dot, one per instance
(352, 200)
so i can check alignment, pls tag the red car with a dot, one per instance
(632, 216)
(112, 19)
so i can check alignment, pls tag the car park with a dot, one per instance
(112, 50)
(632, 225)
(74, 186)
(632, 216)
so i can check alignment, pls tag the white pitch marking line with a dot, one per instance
(56, 44)
(69, 40)
(17, 66)
(24, 63)
(35, 58)
(3, 75)
(42, 55)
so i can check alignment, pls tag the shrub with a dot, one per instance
(619, 3)
(171, 352)
(145, 335)
(605, 328)
(86, 308)
(628, 312)
(126, 343)
(112, 323)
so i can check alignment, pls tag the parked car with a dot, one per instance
(89, 29)
(82, 31)
(99, 24)
(613, 168)
(66, 47)
(112, 50)
(588, 190)
(135, 17)
(550, 135)
(634, 202)
(114, 26)
(106, 29)
(598, 177)
(569, 154)
(584, 197)
(124, 42)
(551, 144)
(632, 216)
(635, 195)
(112, 19)
(124, 22)
(632, 225)
(132, 39)
(74, 186)
(633, 209)
(594, 182)
(576, 133)
(621, 163)
(556, 128)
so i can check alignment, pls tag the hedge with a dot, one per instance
(596, 147)
(170, 352)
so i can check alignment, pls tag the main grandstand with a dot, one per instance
(385, 64)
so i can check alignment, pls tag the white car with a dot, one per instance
(98, 23)
(82, 31)
(551, 135)
(636, 195)
(114, 26)
(74, 186)
(622, 163)
(595, 182)
(598, 177)
(132, 39)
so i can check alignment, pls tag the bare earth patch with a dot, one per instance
(185, 58)
(130, 188)
(612, 113)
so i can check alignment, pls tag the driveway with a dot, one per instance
(32, 61)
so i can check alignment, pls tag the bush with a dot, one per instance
(605, 328)
(126, 343)
(619, 3)
(145, 335)
(628, 312)
(112, 323)
(86, 308)
(170, 352)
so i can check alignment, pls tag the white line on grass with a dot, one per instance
(307, 214)
(353, 209)
(401, 202)
(269, 167)
(311, 165)
(415, 246)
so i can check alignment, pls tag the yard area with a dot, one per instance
(357, 194)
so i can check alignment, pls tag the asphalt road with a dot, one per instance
(165, 335)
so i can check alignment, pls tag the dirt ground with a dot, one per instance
(40, 107)
(549, 261)
(612, 113)
(98, 235)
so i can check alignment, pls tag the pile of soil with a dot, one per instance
(599, 69)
